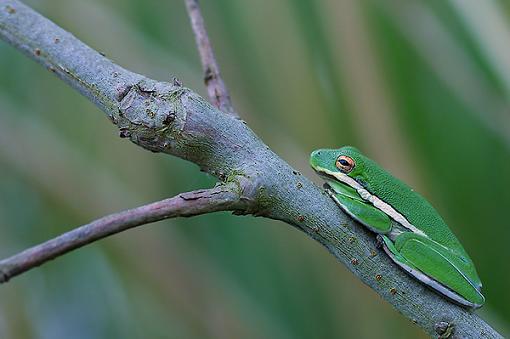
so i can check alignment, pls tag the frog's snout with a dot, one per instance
(314, 156)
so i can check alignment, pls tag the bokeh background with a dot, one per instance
(423, 87)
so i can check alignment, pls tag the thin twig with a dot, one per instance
(216, 89)
(220, 198)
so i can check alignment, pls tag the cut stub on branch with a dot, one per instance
(151, 113)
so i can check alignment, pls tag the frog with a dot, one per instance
(409, 229)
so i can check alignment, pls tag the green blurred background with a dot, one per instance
(423, 87)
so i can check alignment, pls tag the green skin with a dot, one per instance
(418, 239)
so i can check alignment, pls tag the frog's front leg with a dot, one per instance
(361, 211)
(436, 266)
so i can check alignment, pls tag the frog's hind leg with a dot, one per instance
(428, 262)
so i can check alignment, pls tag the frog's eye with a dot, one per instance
(345, 163)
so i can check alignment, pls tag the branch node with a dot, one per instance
(444, 329)
(10, 9)
(4, 277)
(124, 133)
(176, 82)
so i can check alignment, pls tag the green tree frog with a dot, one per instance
(418, 240)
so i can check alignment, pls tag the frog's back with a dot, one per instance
(414, 207)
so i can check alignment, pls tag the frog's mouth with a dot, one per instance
(328, 180)
(338, 176)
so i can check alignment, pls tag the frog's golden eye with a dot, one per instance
(345, 163)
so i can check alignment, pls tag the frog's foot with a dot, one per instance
(422, 258)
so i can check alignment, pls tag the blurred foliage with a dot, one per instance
(423, 87)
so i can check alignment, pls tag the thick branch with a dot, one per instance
(221, 198)
(164, 117)
(216, 89)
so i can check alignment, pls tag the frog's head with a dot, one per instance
(344, 164)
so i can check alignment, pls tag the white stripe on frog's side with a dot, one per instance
(378, 203)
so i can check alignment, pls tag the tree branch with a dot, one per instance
(166, 117)
(216, 89)
(220, 198)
